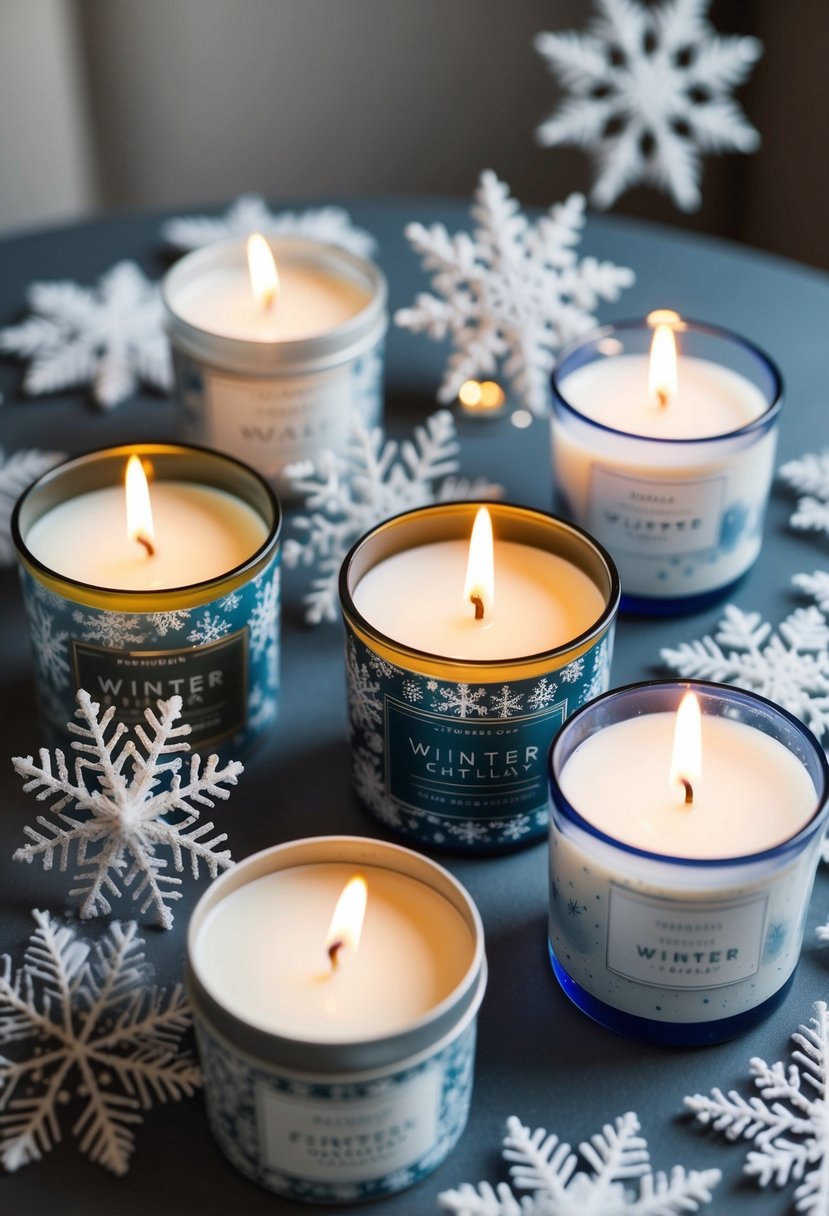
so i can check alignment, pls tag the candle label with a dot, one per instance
(221, 658)
(655, 519)
(460, 764)
(672, 944)
(270, 422)
(342, 1140)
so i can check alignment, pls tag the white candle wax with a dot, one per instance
(261, 954)
(753, 793)
(200, 533)
(310, 301)
(710, 400)
(416, 597)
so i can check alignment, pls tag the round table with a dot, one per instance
(538, 1057)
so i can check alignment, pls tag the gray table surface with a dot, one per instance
(538, 1057)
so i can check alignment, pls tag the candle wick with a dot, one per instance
(147, 543)
(689, 791)
(479, 606)
(662, 397)
(334, 953)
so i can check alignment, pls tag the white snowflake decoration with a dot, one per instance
(209, 627)
(810, 477)
(250, 213)
(649, 94)
(788, 1123)
(17, 472)
(617, 1156)
(94, 1029)
(347, 494)
(132, 802)
(114, 629)
(49, 645)
(111, 336)
(511, 294)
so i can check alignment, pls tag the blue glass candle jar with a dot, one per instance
(668, 466)
(672, 920)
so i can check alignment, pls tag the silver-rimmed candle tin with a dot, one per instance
(676, 950)
(273, 403)
(447, 752)
(214, 643)
(395, 1105)
(683, 518)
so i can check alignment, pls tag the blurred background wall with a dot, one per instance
(183, 103)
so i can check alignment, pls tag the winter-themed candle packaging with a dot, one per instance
(667, 459)
(337, 1053)
(183, 602)
(276, 380)
(678, 894)
(450, 716)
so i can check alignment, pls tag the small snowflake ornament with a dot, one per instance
(649, 92)
(111, 336)
(616, 1156)
(93, 1029)
(788, 1123)
(809, 476)
(250, 213)
(17, 472)
(509, 295)
(133, 801)
(347, 494)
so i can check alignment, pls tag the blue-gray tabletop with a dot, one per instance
(538, 1056)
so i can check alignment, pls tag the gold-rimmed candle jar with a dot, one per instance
(450, 717)
(192, 612)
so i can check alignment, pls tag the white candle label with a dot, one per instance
(676, 945)
(655, 518)
(356, 1140)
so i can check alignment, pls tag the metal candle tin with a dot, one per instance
(271, 403)
(215, 643)
(397, 1105)
(625, 923)
(683, 518)
(489, 722)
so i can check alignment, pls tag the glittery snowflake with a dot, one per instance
(543, 694)
(505, 702)
(111, 336)
(250, 213)
(209, 627)
(509, 295)
(95, 1033)
(49, 646)
(788, 1123)
(114, 629)
(131, 801)
(365, 706)
(169, 622)
(461, 700)
(347, 494)
(616, 1156)
(17, 472)
(810, 477)
(649, 93)
(264, 614)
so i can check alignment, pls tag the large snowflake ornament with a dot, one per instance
(250, 213)
(649, 92)
(132, 801)
(509, 295)
(788, 1123)
(374, 478)
(809, 476)
(111, 336)
(94, 1031)
(17, 472)
(617, 1156)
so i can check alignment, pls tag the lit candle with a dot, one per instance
(341, 977)
(682, 856)
(667, 457)
(463, 659)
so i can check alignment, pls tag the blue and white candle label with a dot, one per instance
(461, 765)
(673, 945)
(221, 658)
(655, 518)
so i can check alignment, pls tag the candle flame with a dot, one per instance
(662, 368)
(686, 756)
(139, 509)
(347, 921)
(264, 277)
(479, 588)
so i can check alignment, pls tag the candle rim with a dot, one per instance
(789, 844)
(761, 422)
